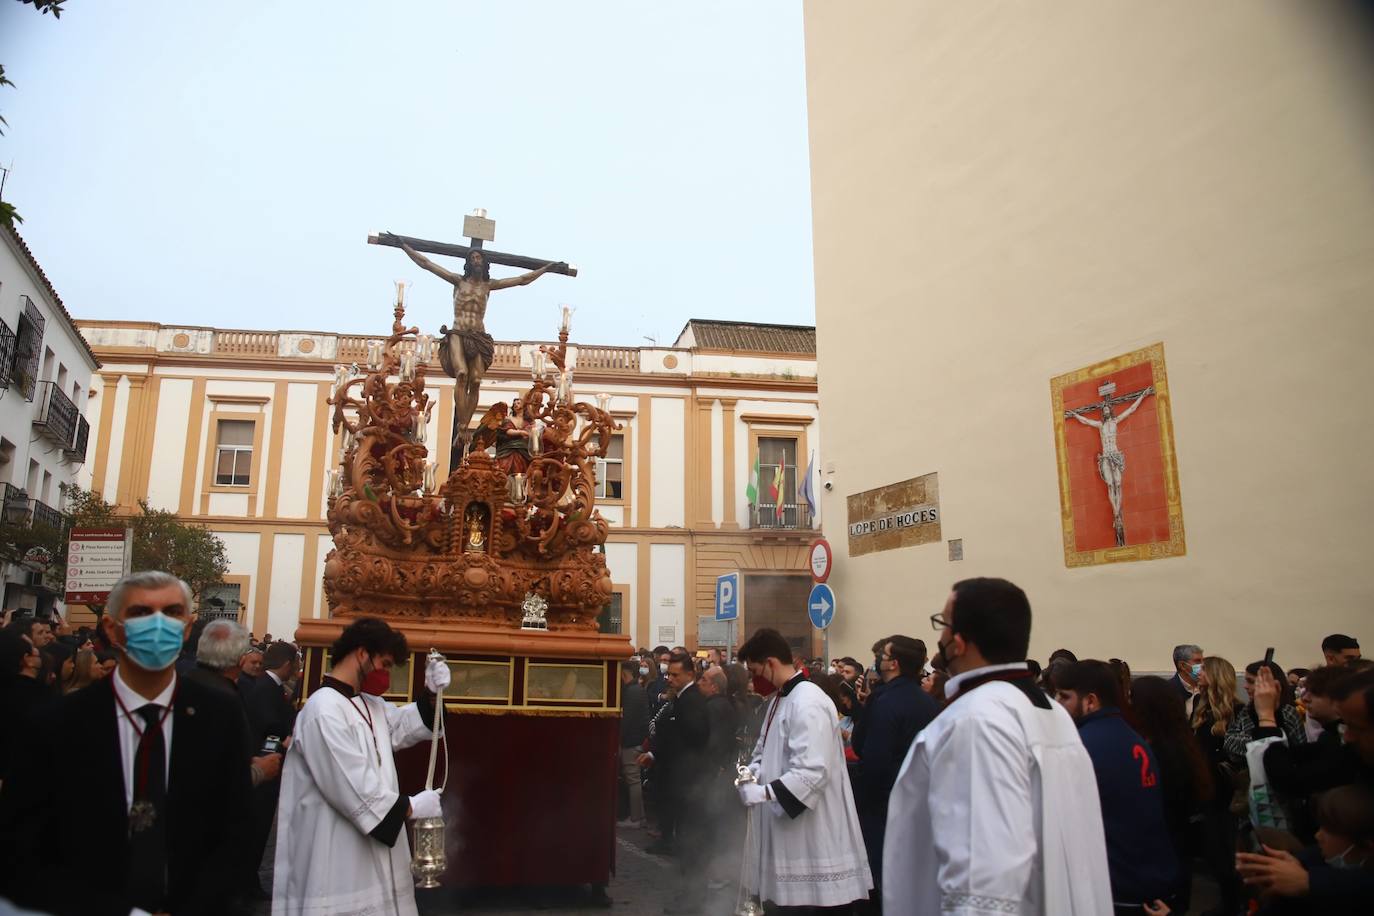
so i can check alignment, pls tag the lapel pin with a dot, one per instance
(190, 710)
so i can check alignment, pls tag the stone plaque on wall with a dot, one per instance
(897, 515)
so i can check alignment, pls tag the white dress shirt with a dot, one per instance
(131, 728)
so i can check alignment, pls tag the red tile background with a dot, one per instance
(1144, 508)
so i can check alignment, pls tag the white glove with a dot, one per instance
(754, 768)
(426, 804)
(437, 676)
(751, 793)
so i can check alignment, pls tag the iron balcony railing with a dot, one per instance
(57, 415)
(795, 516)
(76, 453)
(44, 514)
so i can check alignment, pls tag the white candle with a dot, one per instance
(537, 438)
(567, 319)
(400, 292)
(430, 474)
(603, 402)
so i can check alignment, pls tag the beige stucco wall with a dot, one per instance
(1004, 192)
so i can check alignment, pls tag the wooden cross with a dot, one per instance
(1106, 392)
(478, 228)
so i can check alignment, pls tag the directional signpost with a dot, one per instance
(727, 603)
(96, 559)
(820, 560)
(820, 605)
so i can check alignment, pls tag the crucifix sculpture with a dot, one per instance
(467, 350)
(1111, 462)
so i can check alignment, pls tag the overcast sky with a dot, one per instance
(222, 163)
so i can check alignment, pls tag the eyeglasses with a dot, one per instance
(938, 621)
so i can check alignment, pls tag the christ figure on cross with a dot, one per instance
(467, 349)
(1111, 462)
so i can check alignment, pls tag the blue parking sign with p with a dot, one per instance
(727, 596)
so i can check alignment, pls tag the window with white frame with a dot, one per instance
(610, 471)
(234, 453)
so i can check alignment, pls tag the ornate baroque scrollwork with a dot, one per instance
(500, 527)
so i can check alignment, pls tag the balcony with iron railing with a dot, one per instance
(57, 415)
(794, 516)
(45, 515)
(76, 452)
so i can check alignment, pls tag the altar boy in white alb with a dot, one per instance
(993, 809)
(810, 851)
(341, 842)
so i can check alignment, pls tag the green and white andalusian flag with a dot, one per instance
(751, 489)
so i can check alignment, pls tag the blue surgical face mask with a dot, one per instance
(643, 672)
(1196, 670)
(153, 641)
(1340, 862)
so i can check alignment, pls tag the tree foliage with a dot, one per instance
(161, 540)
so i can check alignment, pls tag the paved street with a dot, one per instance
(640, 887)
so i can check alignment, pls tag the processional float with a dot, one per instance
(499, 566)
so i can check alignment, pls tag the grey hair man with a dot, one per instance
(223, 644)
(1187, 667)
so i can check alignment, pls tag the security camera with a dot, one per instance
(830, 485)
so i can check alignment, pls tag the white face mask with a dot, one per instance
(662, 667)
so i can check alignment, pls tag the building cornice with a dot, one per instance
(21, 248)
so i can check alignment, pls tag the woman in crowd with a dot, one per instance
(80, 671)
(1242, 729)
(1215, 709)
(934, 684)
(1123, 681)
(1185, 774)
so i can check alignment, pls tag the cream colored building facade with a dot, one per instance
(1004, 193)
(230, 428)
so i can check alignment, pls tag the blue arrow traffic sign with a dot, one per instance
(727, 596)
(820, 605)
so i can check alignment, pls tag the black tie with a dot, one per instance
(147, 819)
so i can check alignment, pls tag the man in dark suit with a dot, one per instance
(154, 766)
(270, 714)
(895, 715)
(657, 687)
(683, 746)
(634, 729)
(1184, 681)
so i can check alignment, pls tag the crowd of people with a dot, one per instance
(963, 774)
(948, 782)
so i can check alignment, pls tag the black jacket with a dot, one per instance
(73, 774)
(269, 711)
(634, 715)
(681, 741)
